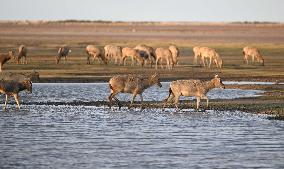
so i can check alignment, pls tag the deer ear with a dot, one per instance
(216, 76)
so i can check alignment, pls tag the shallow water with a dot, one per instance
(249, 83)
(43, 136)
(68, 92)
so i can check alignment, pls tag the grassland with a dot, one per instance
(43, 40)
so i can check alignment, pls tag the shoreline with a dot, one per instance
(104, 79)
(271, 102)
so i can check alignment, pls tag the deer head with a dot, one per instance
(28, 85)
(155, 79)
(218, 82)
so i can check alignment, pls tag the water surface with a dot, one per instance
(44, 136)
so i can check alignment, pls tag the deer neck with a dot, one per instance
(147, 82)
(22, 87)
(209, 85)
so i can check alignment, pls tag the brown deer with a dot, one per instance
(12, 88)
(62, 52)
(133, 84)
(23, 51)
(5, 58)
(148, 52)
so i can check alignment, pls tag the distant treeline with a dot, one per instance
(70, 21)
(255, 22)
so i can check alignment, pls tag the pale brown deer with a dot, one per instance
(164, 54)
(93, 51)
(196, 88)
(254, 53)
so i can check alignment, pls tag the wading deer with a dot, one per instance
(254, 53)
(162, 54)
(62, 52)
(12, 88)
(131, 84)
(23, 51)
(196, 88)
(95, 52)
(5, 58)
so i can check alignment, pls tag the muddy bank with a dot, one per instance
(78, 79)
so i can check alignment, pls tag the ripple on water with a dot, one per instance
(43, 136)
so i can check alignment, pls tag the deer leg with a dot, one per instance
(207, 100)
(203, 61)
(112, 96)
(194, 59)
(141, 97)
(6, 101)
(197, 103)
(16, 96)
(1, 67)
(157, 61)
(132, 61)
(169, 98)
(176, 102)
(132, 100)
(210, 61)
(161, 63)
(168, 64)
(246, 59)
(216, 63)
(252, 58)
(115, 60)
(124, 60)
(88, 60)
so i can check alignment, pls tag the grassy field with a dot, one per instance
(43, 40)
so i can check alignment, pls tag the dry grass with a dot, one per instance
(43, 40)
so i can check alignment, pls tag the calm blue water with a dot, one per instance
(44, 136)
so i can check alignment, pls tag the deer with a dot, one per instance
(93, 51)
(13, 88)
(23, 51)
(135, 55)
(134, 84)
(162, 54)
(211, 54)
(62, 52)
(254, 53)
(196, 88)
(5, 58)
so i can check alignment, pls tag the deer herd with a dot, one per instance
(140, 55)
(136, 84)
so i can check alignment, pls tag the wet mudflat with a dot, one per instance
(76, 136)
